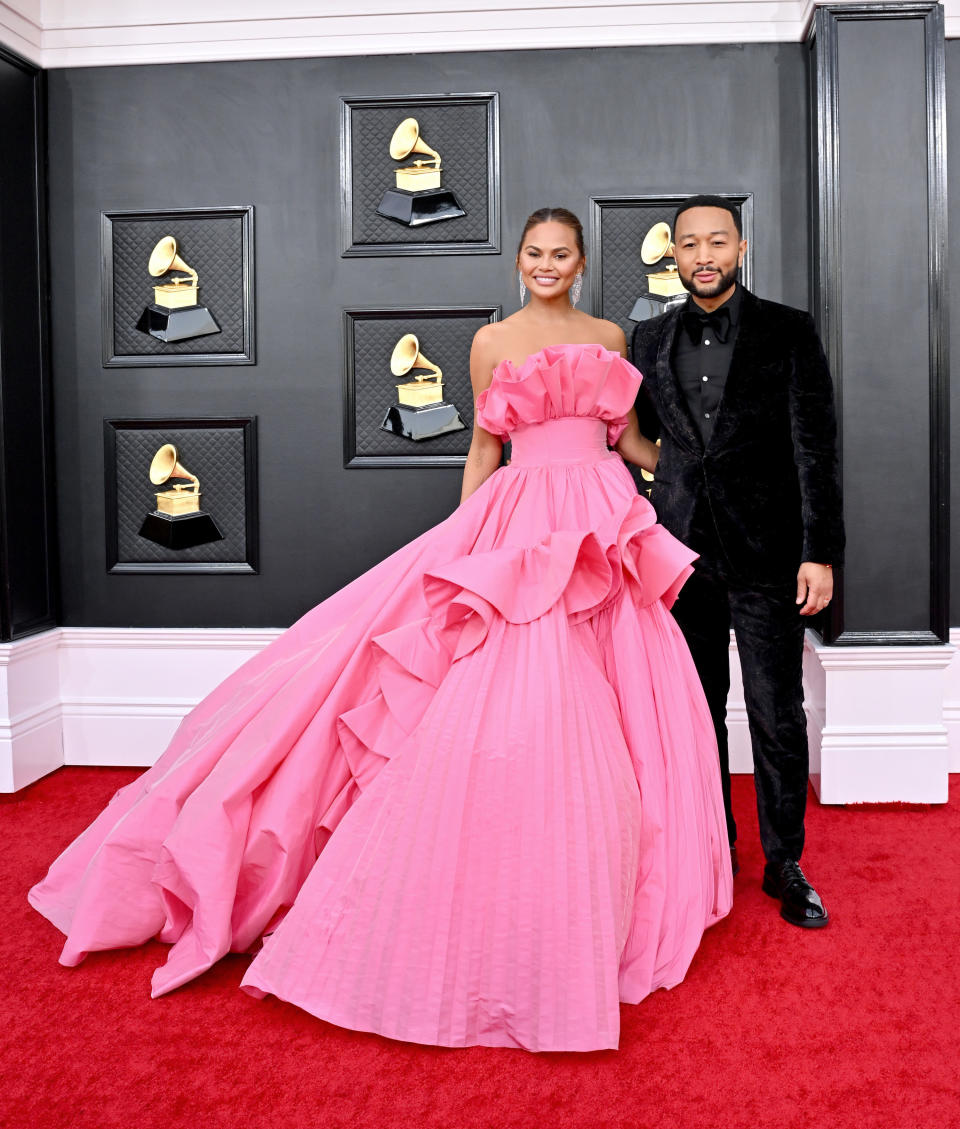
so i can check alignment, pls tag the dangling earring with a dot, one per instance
(576, 290)
(523, 289)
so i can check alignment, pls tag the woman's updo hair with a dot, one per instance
(557, 215)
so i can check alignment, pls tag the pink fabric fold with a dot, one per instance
(473, 797)
(560, 380)
(579, 571)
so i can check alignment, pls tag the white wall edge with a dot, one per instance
(951, 702)
(21, 33)
(13, 654)
(878, 721)
(166, 638)
(129, 32)
(28, 722)
(57, 33)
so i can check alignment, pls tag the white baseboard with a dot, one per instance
(107, 696)
(877, 723)
(125, 691)
(951, 702)
(115, 696)
(30, 731)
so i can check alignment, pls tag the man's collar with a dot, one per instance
(732, 304)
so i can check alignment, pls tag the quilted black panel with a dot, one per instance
(459, 135)
(445, 340)
(623, 223)
(213, 246)
(623, 272)
(216, 456)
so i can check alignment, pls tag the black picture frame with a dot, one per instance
(358, 151)
(228, 297)
(362, 410)
(203, 559)
(610, 289)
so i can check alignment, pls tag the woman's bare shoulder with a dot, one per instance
(609, 335)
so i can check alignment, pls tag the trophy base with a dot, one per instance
(180, 531)
(414, 209)
(651, 307)
(177, 324)
(422, 423)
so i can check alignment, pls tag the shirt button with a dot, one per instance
(706, 415)
(704, 377)
(706, 341)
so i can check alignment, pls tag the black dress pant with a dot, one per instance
(769, 634)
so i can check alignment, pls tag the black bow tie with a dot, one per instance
(695, 322)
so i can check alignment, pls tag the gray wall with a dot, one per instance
(573, 123)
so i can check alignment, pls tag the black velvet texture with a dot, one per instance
(769, 473)
(769, 634)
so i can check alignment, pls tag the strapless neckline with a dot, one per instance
(570, 379)
(517, 365)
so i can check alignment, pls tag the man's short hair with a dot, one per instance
(706, 200)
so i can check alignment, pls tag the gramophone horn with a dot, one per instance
(165, 465)
(657, 245)
(406, 140)
(407, 356)
(164, 257)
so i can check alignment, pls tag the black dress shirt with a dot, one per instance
(702, 367)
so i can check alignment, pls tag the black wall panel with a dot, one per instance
(573, 124)
(883, 325)
(880, 298)
(953, 158)
(27, 581)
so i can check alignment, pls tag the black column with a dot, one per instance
(27, 591)
(880, 297)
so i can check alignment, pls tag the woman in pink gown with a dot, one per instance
(473, 797)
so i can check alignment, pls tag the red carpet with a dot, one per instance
(856, 1025)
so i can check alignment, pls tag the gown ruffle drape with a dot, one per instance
(473, 797)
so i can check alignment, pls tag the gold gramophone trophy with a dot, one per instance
(422, 412)
(417, 198)
(664, 287)
(177, 522)
(175, 313)
(658, 245)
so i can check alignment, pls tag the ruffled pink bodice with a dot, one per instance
(560, 382)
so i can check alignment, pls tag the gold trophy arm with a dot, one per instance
(193, 487)
(434, 158)
(193, 280)
(422, 362)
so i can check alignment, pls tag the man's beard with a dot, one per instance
(718, 286)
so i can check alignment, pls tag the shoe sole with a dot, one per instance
(806, 922)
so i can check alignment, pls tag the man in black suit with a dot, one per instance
(738, 391)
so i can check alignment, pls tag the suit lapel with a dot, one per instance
(675, 412)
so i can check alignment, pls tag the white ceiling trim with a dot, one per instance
(20, 30)
(74, 33)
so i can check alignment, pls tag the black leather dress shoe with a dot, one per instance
(799, 902)
(734, 861)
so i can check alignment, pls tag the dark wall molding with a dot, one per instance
(827, 284)
(28, 567)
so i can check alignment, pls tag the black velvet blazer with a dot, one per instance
(769, 473)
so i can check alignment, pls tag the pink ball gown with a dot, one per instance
(473, 797)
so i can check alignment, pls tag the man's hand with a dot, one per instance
(814, 587)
